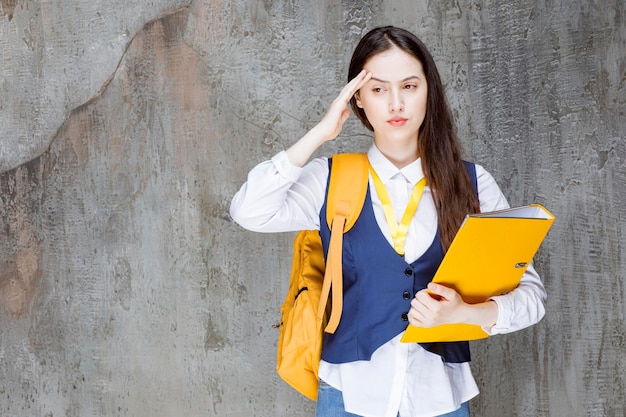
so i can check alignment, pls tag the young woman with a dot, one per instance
(396, 91)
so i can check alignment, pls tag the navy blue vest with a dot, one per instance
(378, 286)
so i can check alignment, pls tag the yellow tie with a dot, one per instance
(398, 230)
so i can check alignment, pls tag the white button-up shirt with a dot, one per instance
(400, 377)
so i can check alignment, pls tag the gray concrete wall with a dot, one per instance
(126, 128)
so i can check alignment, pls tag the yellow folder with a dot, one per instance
(487, 257)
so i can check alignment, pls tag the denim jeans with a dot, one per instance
(330, 404)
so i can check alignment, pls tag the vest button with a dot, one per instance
(406, 295)
(408, 272)
(405, 317)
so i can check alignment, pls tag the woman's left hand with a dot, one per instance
(439, 304)
(436, 305)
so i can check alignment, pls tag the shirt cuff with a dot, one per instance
(285, 168)
(503, 322)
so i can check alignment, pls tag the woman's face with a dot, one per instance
(394, 99)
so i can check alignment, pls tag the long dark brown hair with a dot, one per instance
(438, 145)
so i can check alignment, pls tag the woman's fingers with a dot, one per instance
(338, 112)
(436, 305)
(349, 90)
(353, 86)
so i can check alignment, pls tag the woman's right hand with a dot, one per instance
(339, 110)
(331, 124)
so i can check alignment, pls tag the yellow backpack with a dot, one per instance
(306, 313)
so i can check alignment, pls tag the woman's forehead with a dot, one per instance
(394, 65)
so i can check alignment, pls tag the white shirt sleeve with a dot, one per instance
(525, 305)
(281, 197)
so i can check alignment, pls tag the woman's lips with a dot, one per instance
(397, 121)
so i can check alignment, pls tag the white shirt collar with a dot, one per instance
(386, 169)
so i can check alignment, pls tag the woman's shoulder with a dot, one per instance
(481, 171)
(489, 193)
(317, 166)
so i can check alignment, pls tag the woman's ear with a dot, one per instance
(357, 96)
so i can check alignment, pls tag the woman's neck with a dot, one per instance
(399, 154)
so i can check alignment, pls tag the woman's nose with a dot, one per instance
(395, 102)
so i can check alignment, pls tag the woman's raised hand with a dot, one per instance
(331, 124)
(339, 110)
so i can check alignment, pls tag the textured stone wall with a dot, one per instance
(55, 56)
(126, 290)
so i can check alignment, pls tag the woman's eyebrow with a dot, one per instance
(387, 82)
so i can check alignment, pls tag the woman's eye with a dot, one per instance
(410, 86)
(377, 89)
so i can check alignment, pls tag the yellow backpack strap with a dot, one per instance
(346, 195)
(348, 186)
